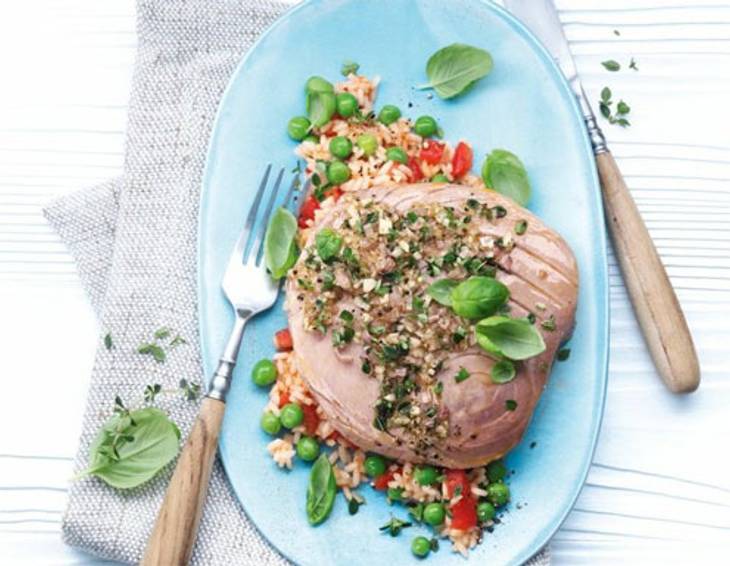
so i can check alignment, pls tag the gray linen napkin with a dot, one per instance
(134, 241)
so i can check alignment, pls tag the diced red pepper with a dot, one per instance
(306, 212)
(415, 166)
(284, 399)
(381, 482)
(335, 193)
(283, 340)
(462, 160)
(464, 513)
(311, 419)
(334, 435)
(456, 479)
(432, 152)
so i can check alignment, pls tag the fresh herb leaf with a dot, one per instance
(520, 227)
(454, 69)
(611, 65)
(108, 344)
(353, 506)
(349, 68)
(395, 526)
(478, 297)
(632, 65)
(131, 449)
(153, 350)
(512, 338)
(162, 333)
(606, 95)
(623, 108)
(504, 172)
(190, 389)
(320, 107)
(151, 392)
(321, 491)
(510, 404)
(416, 511)
(441, 291)
(605, 109)
(328, 244)
(280, 248)
(462, 375)
(563, 354)
(616, 32)
(549, 324)
(177, 341)
(503, 371)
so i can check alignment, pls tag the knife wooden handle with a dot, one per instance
(173, 537)
(655, 303)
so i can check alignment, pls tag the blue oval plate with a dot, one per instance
(524, 105)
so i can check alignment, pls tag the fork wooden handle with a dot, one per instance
(655, 303)
(173, 537)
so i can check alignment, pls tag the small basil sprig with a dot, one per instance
(280, 248)
(321, 491)
(511, 338)
(132, 447)
(504, 172)
(503, 371)
(328, 244)
(455, 68)
(478, 297)
(441, 290)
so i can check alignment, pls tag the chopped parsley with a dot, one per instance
(463, 375)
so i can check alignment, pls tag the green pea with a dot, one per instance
(340, 147)
(307, 448)
(425, 475)
(434, 514)
(264, 373)
(395, 493)
(496, 471)
(388, 114)
(270, 423)
(337, 172)
(486, 511)
(425, 126)
(368, 143)
(421, 546)
(346, 104)
(312, 139)
(298, 128)
(318, 84)
(439, 178)
(497, 494)
(397, 154)
(291, 415)
(374, 466)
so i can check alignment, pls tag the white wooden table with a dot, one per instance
(659, 489)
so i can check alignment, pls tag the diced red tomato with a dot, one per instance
(464, 513)
(456, 479)
(381, 482)
(284, 399)
(335, 193)
(306, 213)
(311, 419)
(415, 166)
(432, 152)
(462, 160)
(283, 340)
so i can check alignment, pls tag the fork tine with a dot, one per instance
(237, 254)
(256, 248)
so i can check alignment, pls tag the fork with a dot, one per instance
(250, 290)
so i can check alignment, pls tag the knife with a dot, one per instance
(655, 303)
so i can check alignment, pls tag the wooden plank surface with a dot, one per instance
(658, 491)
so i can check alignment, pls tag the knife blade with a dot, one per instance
(541, 17)
(655, 302)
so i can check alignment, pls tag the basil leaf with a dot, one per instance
(512, 338)
(280, 248)
(328, 244)
(454, 69)
(349, 68)
(441, 291)
(504, 172)
(320, 107)
(151, 441)
(503, 371)
(321, 491)
(478, 297)
(611, 65)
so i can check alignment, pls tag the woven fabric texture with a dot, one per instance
(134, 240)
